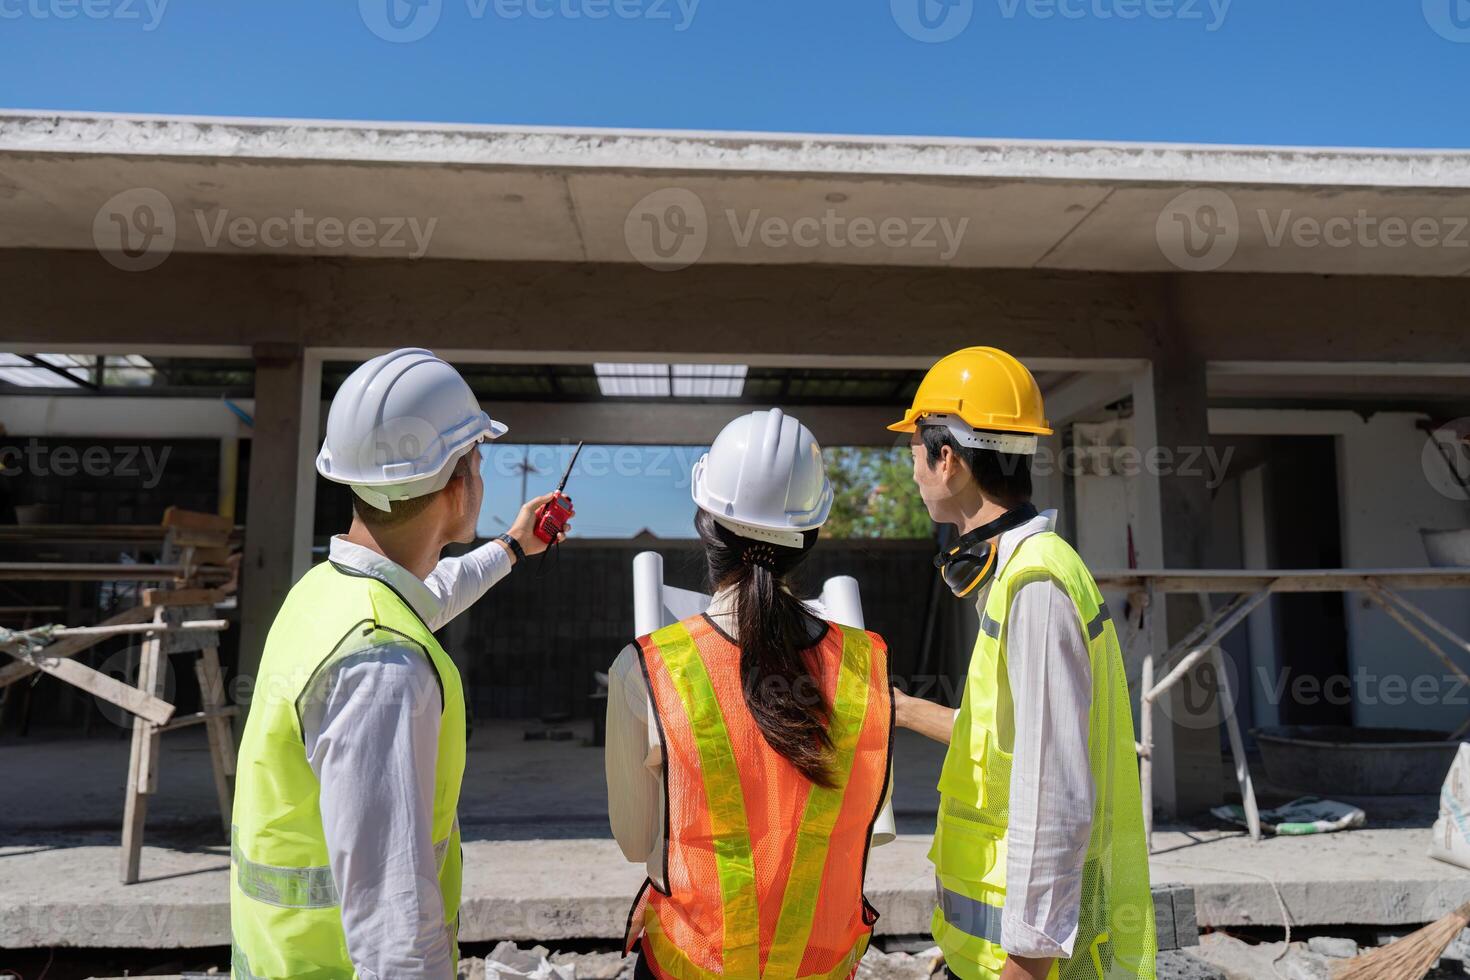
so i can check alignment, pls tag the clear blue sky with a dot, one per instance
(1313, 72)
(617, 490)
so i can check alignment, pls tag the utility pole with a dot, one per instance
(526, 470)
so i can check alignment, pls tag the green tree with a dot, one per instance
(874, 494)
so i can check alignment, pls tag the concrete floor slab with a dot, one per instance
(66, 893)
(540, 864)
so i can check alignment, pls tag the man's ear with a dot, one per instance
(949, 460)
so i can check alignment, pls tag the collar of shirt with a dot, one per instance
(1009, 541)
(364, 561)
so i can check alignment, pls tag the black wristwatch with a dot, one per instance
(513, 545)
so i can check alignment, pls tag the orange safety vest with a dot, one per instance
(764, 868)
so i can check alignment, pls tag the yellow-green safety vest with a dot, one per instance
(1115, 933)
(285, 919)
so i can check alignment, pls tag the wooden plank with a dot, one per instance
(221, 740)
(1284, 580)
(197, 718)
(187, 537)
(195, 520)
(110, 689)
(86, 533)
(46, 571)
(143, 761)
(182, 597)
(73, 645)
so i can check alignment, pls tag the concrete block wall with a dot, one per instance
(530, 647)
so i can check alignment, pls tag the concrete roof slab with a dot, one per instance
(576, 195)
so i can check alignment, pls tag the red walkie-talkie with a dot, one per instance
(552, 518)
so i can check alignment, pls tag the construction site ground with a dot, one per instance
(541, 865)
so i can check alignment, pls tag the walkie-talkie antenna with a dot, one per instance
(563, 484)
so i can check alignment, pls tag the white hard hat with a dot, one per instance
(397, 426)
(763, 478)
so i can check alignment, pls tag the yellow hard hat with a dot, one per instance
(984, 389)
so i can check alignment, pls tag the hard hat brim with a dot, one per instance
(911, 421)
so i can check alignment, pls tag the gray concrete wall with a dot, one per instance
(1387, 499)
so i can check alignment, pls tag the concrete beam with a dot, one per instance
(1085, 393)
(650, 423)
(538, 307)
(786, 312)
(101, 417)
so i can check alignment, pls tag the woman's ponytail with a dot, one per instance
(775, 631)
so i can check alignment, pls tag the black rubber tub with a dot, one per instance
(1333, 760)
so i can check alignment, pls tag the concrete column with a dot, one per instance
(266, 573)
(1170, 417)
(308, 443)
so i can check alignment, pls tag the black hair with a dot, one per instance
(403, 511)
(775, 630)
(1003, 477)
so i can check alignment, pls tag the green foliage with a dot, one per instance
(874, 494)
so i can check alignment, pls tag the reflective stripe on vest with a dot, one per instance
(296, 888)
(970, 915)
(712, 742)
(733, 857)
(1115, 934)
(240, 965)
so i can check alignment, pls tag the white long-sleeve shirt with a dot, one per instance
(1052, 790)
(634, 758)
(371, 726)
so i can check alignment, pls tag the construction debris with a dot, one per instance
(878, 965)
(538, 963)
